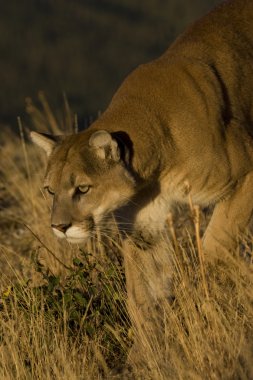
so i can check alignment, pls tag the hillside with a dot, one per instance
(82, 48)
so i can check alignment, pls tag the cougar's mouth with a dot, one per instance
(74, 234)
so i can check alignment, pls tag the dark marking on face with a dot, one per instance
(72, 179)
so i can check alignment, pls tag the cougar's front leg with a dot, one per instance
(148, 279)
(148, 273)
(230, 218)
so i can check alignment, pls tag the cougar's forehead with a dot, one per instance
(73, 164)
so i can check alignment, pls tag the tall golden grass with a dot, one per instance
(204, 332)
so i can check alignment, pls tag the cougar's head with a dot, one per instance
(86, 179)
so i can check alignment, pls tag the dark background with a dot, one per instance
(84, 48)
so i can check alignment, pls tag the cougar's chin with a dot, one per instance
(77, 241)
(76, 235)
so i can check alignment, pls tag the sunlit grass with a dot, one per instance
(62, 310)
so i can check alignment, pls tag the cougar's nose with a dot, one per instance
(61, 227)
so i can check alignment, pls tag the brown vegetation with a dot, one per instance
(62, 310)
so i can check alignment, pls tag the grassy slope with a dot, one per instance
(72, 323)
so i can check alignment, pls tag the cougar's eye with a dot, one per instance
(49, 190)
(83, 189)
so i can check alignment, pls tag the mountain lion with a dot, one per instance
(179, 125)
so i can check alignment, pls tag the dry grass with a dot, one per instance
(204, 333)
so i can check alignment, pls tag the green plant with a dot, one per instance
(90, 303)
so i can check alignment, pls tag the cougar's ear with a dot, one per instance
(46, 142)
(105, 146)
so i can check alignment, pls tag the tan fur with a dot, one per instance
(186, 117)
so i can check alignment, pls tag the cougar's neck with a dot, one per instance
(136, 130)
